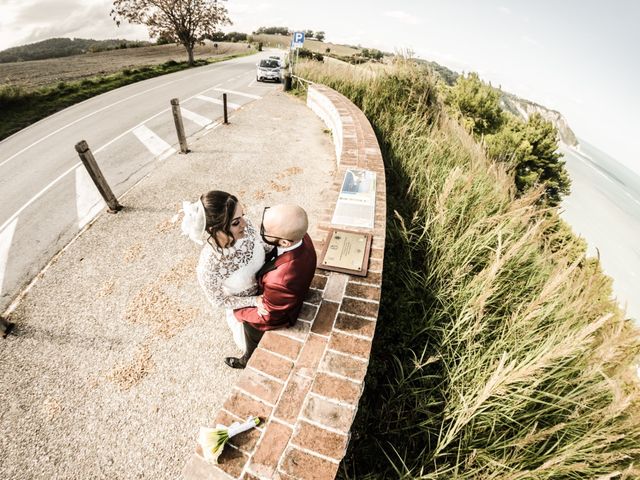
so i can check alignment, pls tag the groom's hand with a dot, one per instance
(261, 310)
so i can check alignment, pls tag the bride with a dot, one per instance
(231, 256)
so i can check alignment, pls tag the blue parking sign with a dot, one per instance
(298, 39)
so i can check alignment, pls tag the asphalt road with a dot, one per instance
(46, 196)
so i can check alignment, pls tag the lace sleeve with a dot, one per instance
(212, 271)
(248, 298)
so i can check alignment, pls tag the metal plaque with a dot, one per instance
(346, 251)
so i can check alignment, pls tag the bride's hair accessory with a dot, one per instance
(194, 221)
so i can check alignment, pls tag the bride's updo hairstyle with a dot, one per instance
(219, 208)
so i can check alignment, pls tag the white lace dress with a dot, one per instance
(228, 277)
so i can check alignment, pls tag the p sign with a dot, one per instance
(298, 39)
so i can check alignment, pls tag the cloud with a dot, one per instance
(531, 41)
(403, 17)
(505, 10)
(33, 21)
(246, 8)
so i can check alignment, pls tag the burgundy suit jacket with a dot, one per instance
(283, 288)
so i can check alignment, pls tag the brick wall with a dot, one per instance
(305, 382)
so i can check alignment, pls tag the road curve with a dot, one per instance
(46, 197)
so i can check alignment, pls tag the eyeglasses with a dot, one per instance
(263, 234)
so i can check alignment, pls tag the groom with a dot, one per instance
(284, 279)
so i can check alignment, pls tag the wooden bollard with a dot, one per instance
(5, 327)
(224, 108)
(177, 118)
(96, 175)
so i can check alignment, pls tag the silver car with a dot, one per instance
(269, 69)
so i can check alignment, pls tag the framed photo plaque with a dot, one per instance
(346, 251)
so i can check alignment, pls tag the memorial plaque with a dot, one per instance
(346, 251)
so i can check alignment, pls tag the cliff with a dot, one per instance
(524, 108)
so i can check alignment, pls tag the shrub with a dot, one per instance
(11, 95)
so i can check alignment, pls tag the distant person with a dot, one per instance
(231, 256)
(283, 281)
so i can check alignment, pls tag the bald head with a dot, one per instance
(286, 221)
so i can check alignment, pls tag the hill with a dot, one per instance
(64, 47)
(283, 41)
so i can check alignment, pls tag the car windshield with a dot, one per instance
(269, 63)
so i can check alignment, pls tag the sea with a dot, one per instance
(604, 209)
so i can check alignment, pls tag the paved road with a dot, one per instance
(46, 197)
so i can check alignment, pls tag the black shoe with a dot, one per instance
(235, 362)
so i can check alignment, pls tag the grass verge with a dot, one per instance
(20, 107)
(499, 353)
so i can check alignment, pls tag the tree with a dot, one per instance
(308, 33)
(273, 31)
(531, 149)
(320, 36)
(185, 22)
(478, 103)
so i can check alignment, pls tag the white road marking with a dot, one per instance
(6, 237)
(195, 118)
(156, 145)
(60, 177)
(88, 199)
(93, 113)
(217, 101)
(242, 94)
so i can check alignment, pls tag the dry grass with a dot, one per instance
(289, 172)
(156, 305)
(107, 288)
(39, 73)
(130, 373)
(51, 408)
(167, 226)
(276, 187)
(133, 253)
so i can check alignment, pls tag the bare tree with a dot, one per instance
(186, 22)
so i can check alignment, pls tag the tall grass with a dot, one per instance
(499, 353)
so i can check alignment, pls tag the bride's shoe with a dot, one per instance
(235, 362)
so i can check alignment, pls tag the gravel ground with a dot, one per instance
(116, 359)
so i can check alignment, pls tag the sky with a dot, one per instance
(579, 57)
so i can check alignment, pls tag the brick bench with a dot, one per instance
(305, 382)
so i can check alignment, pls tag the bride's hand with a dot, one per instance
(262, 311)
